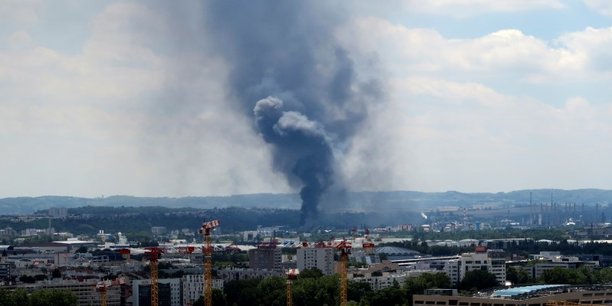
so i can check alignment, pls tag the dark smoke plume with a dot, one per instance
(301, 85)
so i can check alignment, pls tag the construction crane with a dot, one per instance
(345, 249)
(102, 288)
(292, 275)
(154, 253)
(368, 245)
(207, 250)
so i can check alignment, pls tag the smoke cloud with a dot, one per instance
(302, 87)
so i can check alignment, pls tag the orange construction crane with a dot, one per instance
(345, 249)
(292, 275)
(368, 245)
(207, 250)
(154, 253)
(102, 288)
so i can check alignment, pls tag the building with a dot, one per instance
(85, 291)
(58, 212)
(321, 258)
(158, 230)
(552, 260)
(169, 291)
(266, 257)
(5, 271)
(537, 295)
(482, 259)
(382, 275)
(231, 274)
(193, 287)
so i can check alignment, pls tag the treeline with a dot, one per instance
(314, 289)
(581, 276)
(521, 248)
(139, 220)
(43, 297)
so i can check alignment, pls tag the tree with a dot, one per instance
(391, 296)
(357, 291)
(568, 276)
(218, 299)
(17, 297)
(272, 291)
(517, 275)
(417, 285)
(241, 292)
(53, 297)
(316, 291)
(478, 280)
(81, 249)
(310, 273)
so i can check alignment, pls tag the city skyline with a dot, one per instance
(113, 97)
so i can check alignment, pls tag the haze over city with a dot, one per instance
(144, 97)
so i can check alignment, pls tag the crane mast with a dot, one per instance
(154, 253)
(291, 276)
(101, 288)
(345, 249)
(207, 250)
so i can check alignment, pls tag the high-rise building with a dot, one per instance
(269, 258)
(193, 286)
(321, 258)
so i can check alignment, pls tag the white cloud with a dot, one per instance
(465, 8)
(508, 52)
(442, 135)
(124, 115)
(603, 7)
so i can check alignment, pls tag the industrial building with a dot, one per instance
(537, 295)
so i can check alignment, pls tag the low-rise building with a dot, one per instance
(537, 295)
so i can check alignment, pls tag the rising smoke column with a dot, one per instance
(301, 148)
(301, 86)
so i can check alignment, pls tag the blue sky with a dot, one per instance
(480, 96)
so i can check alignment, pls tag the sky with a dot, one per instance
(133, 97)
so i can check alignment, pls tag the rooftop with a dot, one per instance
(512, 292)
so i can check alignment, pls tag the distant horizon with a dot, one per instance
(297, 193)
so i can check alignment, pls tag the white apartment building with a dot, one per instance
(321, 258)
(193, 287)
(491, 261)
(85, 291)
(385, 280)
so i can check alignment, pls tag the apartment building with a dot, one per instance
(321, 258)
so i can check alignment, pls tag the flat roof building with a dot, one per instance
(537, 295)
